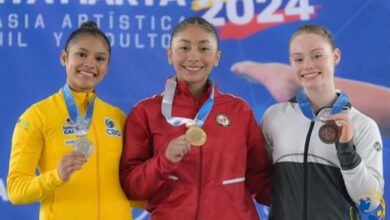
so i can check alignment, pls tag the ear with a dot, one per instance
(217, 58)
(337, 56)
(169, 55)
(63, 57)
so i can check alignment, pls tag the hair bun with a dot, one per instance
(89, 25)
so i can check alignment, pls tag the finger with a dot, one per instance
(338, 117)
(73, 161)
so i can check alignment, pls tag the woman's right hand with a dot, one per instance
(177, 149)
(70, 163)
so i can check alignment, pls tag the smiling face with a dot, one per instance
(313, 61)
(86, 62)
(193, 53)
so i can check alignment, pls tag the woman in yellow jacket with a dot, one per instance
(74, 139)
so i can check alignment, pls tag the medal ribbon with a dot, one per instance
(166, 107)
(81, 124)
(307, 110)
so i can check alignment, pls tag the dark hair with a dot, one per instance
(195, 21)
(315, 29)
(87, 28)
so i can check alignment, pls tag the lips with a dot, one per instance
(87, 73)
(310, 75)
(193, 68)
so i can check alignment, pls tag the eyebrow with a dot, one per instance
(100, 53)
(314, 50)
(200, 42)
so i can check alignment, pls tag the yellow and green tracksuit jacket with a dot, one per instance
(42, 136)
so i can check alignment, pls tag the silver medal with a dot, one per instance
(83, 146)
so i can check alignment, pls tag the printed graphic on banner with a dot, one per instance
(247, 17)
(235, 20)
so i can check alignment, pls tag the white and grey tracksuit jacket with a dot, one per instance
(317, 181)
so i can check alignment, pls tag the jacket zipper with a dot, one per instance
(305, 178)
(199, 184)
(98, 182)
(197, 216)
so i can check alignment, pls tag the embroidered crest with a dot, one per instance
(223, 120)
(377, 146)
(110, 128)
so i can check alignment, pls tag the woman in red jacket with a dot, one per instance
(193, 152)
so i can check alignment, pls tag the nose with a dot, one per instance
(307, 64)
(193, 56)
(89, 62)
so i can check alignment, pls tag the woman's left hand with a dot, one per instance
(345, 126)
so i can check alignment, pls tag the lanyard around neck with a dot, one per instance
(81, 123)
(166, 106)
(304, 103)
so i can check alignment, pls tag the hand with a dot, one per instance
(345, 125)
(278, 78)
(70, 163)
(177, 149)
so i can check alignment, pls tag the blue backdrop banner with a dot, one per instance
(252, 33)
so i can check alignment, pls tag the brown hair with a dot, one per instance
(315, 29)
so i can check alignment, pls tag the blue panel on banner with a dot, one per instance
(33, 33)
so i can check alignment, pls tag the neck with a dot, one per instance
(320, 99)
(75, 89)
(197, 90)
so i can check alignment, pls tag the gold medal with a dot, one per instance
(196, 135)
(329, 132)
(83, 146)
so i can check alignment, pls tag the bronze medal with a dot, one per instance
(329, 132)
(196, 135)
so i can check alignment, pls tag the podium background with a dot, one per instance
(32, 34)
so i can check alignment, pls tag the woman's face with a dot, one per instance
(313, 61)
(86, 63)
(193, 54)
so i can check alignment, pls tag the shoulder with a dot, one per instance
(278, 108)
(232, 100)
(44, 105)
(360, 120)
(35, 115)
(109, 109)
(150, 102)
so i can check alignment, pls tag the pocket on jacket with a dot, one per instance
(236, 191)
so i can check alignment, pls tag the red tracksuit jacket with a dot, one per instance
(213, 181)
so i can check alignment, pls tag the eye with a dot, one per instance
(81, 54)
(100, 58)
(204, 49)
(297, 60)
(183, 48)
(317, 56)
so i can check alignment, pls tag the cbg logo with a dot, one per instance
(378, 213)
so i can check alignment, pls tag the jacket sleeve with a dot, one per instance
(142, 172)
(259, 168)
(361, 162)
(23, 185)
